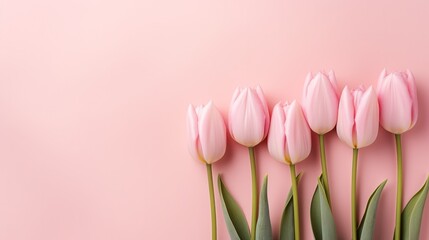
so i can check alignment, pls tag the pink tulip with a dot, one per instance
(358, 117)
(249, 118)
(289, 140)
(397, 96)
(206, 133)
(320, 101)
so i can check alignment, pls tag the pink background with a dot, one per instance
(93, 98)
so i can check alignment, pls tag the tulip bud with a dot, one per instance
(358, 117)
(248, 116)
(320, 101)
(206, 133)
(289, 139)
(397, 96)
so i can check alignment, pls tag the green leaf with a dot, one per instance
(366, 227)
(322, 220)
(235, 220)
(263, 226)
(287, 230)
(412, 215)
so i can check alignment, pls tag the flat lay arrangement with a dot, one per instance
(218, 119)
(355, 112)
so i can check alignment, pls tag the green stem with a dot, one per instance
(212, 201)
(354, 216)
(295, 201)
(324, 167)
(254, 193)
(399, 187)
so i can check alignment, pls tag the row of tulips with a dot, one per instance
(356, 114)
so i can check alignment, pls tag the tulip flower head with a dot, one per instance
(289, 139)
(320, 101)
(249, 118)
(397, 96)
(358, 117)
(206, 133)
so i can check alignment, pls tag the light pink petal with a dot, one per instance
(413, 93)
(193, 137)
(276, 137)
(333, 80)
(298, 134)
(308, 98)
(261, 97)
(247, 119)
(367, 119)
(212, 133)
(256, 119)
(236, 109)
(321, 104)
(383, 74)
(235, 95)
(192, 123)
(357, 95)
(286, 108)
(346, 113)
(306, 83)
(395, 104)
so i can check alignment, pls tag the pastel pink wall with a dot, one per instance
(93, 97)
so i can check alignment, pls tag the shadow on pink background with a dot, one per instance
(93, 98)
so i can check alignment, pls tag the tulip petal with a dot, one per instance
(395, 104)
(346, 112)
(235, 94)
(276, 137)
(333, 80)
(237, 114)
(247, 119)
(321, 104)
(212, 133)
(306, 83)
(413, 93)
(298, 134)
(192, 126)
(357, 95)
(367, 119)
(383, 74)
(234, 101)
(264, 104)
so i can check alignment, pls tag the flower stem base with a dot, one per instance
(399, 187)
(295, 201)
(212, 201)
(354, 215)
(254, 193)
